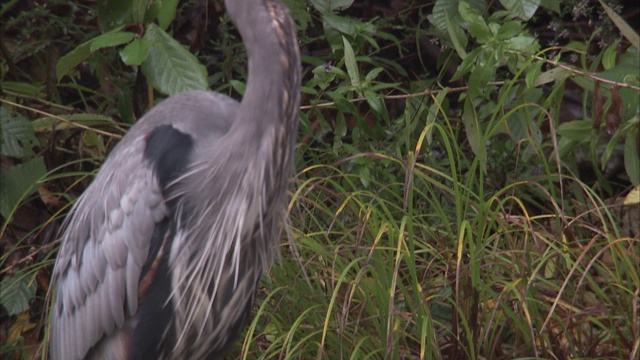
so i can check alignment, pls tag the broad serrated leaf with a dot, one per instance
(18, 138)
(17, 182)
(170, 68)
(523, 9)
(16, 292)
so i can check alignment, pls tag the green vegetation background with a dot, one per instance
(467, 172)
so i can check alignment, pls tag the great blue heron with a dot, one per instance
(161, 255)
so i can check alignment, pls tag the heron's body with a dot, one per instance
(162, 253)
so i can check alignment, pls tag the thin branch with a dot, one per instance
(57, 117)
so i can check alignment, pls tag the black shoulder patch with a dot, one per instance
(168, 151)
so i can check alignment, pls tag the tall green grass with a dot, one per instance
(436, 264)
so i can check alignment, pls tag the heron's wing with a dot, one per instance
(110, 231)
(105, 246)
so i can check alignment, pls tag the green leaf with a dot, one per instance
(577, 130)
(170, 68)
(151, 13)
(383, 86)
(553, 75)
(350, 63)
(509, 30)
(67, 63)
(524, 9)
(627, 31)
(523, 43)
(631, 157)
(47, 123)
(93, 140)
(520, 126)
(365, 175)
(16, 293)
(17, 182)
(609, 55)
(449, 8)
(18, 138)
(374, 101)
(35, 90)
(553, 5)
(467, 63)
(457, 36)
(472, 129)
(136, 52)
(335, 26)
(110, 39)
(114, 13)
(328, 6)
(477, 26)
(323, 75)
(238, 86)
(435, 109)
(373, 74)
(167, 13)
(484, 72)
(341, 126)
(533, 74)
(138, 9)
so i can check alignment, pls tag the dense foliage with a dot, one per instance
(467, 176)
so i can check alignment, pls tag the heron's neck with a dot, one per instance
(271, 96)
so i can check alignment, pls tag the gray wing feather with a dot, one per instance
(105, 246)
